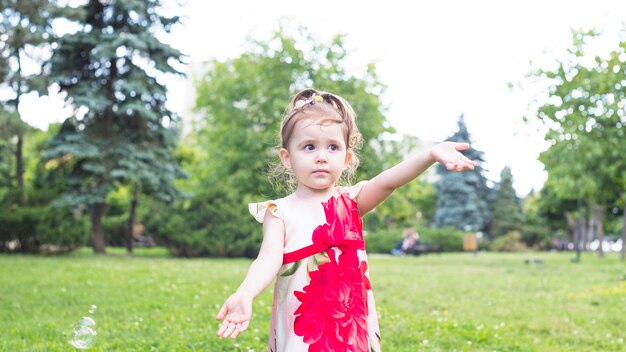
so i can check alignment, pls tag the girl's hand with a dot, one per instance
(448, 154)
(236, 313)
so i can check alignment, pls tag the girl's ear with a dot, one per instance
(284, 158)
(348, 158)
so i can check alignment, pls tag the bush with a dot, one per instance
(448, 238)
(510, 242)
(36, 228)
(382, 241)
(115, 229)
(212, 223)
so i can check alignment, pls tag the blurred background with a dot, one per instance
(152, 123)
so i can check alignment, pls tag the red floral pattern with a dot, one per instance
(333, 312)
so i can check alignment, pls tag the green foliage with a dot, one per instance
(121, 132)
(507, 213)
(37, 227)
(115, 229)
(26, 30)
(510, 242)
(463, 198)
(382, 241)
(537, 231)
(412, 203)
(241, 102)
(205, 225)
(26, 33)
(583, 110)
(448, 238)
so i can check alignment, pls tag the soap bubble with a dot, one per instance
(84, 337)
(84, 331)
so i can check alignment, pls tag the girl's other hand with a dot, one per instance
(236, 313)
(448, 154)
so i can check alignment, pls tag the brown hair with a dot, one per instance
(311, 103)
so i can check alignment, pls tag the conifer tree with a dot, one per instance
(507, 211)
(24, 28)
(463, 198)
(121, 132)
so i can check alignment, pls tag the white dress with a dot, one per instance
(323, 299)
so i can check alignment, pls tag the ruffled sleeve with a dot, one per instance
(353, 191)
(258, 209)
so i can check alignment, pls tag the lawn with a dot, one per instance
(449, 302)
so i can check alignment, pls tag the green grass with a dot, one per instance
(450, 302)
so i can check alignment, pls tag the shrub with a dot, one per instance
(510, 242)
(448, 238)
(115, 229)
(212, 223)
(382, 241)
(35, 228)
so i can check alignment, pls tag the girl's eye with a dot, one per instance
(333, 147)
(309, 147)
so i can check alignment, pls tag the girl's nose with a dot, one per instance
(320, 158)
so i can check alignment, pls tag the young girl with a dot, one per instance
(313, 240)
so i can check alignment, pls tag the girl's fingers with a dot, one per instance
(462, 146)
(236, 331)
(220, 331)
(229, 330)
(244, 326)
(222, 313)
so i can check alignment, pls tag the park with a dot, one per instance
(125, 225)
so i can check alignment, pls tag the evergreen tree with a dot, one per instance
(463, 198)
(25, 28)
(121, 131)
(506, 210)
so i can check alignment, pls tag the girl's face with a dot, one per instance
(316, 153)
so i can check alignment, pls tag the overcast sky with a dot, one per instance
(439, 60)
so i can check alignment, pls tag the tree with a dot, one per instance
(506, 211)
(242, 101)
(584, 113)
(25, 28)
(463, 198)
(412, 204)
(121, 131)
(30, 223)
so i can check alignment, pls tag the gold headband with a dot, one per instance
(312, 100)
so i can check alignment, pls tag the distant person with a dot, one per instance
(312, 239)
(409, 241)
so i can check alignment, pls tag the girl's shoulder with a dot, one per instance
(275, 206)
(353, 190)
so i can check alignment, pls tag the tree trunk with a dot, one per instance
(132, 217)
(97, 211)
(578, 237)
(623, 253)
(589, 227)
(571, 226)
(598, 215)
(580, 228)
(19, 163)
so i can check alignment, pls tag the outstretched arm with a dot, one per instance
(380, 187)
(237, 310)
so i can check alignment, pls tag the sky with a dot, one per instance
(439, 59)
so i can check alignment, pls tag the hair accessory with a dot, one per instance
(312, 100)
